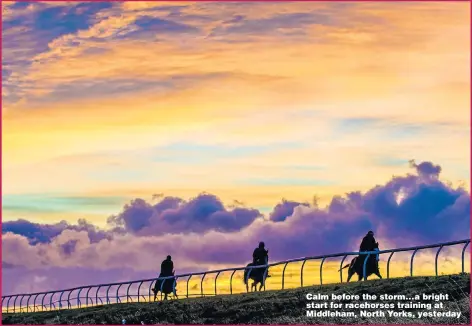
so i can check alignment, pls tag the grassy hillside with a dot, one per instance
(271, 307)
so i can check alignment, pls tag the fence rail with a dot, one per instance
(10, 303)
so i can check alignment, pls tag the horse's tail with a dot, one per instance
(245, 276)
(345, 266)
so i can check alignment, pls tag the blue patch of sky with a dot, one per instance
(52, 22)
(384, 129)
(65, 20)
(163, 25)
(50, 203)
(37, 31)
(21, 5)
(266, 210)
(150, 28)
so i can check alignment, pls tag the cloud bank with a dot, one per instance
(201, 233)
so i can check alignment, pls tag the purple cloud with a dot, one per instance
(426, 169)
(174, 215)
(284, 209)
(44, 233)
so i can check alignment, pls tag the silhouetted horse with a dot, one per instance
(167, 287)
(357, 266)
(258, 275)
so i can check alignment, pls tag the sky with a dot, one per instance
(132, 130)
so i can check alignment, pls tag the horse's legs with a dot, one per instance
(359, 277)
(247, 287)
(350, 273)
(165, 297)
(378, 274)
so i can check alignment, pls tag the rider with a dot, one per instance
(260, 255)
(368, 242)
(167, 267)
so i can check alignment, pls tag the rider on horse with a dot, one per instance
(368, 242)
(260, 255)
(167, 267)
(168, 285)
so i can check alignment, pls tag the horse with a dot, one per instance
(168, 287)
(258, 275)
(356, 266)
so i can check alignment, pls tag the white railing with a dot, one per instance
(12, 306)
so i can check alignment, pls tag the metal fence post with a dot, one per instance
(118, 294)
(321, 270)
(188, 280)
(87, 296)
(50, 300)
(34, 302)
(107, 294)
(231, 282)
(341, 268)
(174, 284)
(68, 299)
(42, 302)
(463, 253)
(216, 278)
(264, 277)
(283, 275)
(364, 267)
(301, 272)
(79, 303)
(14, 303)
(8, 302)
(436, 260)
(21, 301)
(150, 286)
(162, 286)
(201, 284)
(60, 299)
(127, 293)
(139, 287)
(27, 303)
(388, 264)
(411, 262)
(96, 295)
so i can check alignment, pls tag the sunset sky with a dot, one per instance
(217, 124)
